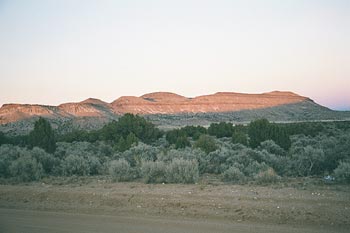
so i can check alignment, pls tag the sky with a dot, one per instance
(56, 51)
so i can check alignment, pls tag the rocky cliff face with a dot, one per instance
(153, 103)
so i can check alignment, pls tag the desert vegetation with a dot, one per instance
(134, 149)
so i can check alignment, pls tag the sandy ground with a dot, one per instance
(137, 207)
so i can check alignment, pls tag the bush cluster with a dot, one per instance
(133, 149)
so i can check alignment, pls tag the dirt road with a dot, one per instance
(102, 206)
(48, 222)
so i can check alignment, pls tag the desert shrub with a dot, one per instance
(206, 143)
(48, 161)
(280, 164)
(308, 161)
(215, 162)
(104, 149)
(271, 147)
(220, 160)
(266, 177)
(26, 168)
(75, 165)
(141, 152)
(9, 153)
(186, 154)
(153, 172)
(342, 172)
(336, 148)
(95, 165)
(120, 170)
(182, 171)
(255, 168)
(233, 174)
(13, 151)
(81, 149)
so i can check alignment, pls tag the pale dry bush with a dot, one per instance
(182, 171)
(266, 177)
(75, 165)
(153, 172)
(120, 170)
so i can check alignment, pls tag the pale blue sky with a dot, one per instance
(68, 50)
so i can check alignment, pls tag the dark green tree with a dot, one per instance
(194, 131)
(239, 137)
(3, 139)
(125, 144)
(262, 130)
(258, 132)
(182, 142)
(129, 123)
(43, 136)
(173, 135)
(220, 130)
(206, 143)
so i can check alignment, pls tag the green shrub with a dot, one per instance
(206, 143)
(26, 168)
(75, 165)
(120, 170)
(234, 175)
(153, 172)
(342, 172)
(182, 171)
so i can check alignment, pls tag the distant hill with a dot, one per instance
(169, 110)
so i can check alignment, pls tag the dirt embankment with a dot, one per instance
(325, 206)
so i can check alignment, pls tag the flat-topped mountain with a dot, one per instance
(167, 109)
(148, 104)
(169, 103)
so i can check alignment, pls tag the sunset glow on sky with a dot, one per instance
(59, 51)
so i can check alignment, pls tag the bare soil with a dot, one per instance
(322, 208)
